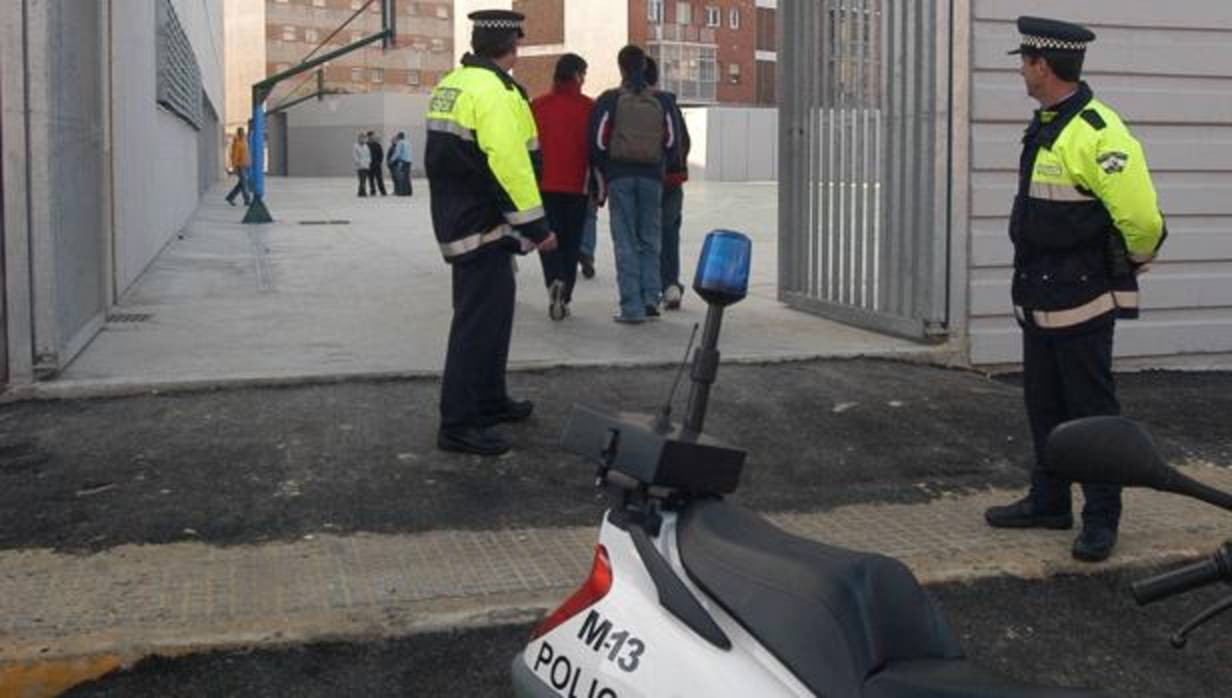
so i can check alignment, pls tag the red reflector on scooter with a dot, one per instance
(594, 588)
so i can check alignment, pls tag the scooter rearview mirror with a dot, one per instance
(1108, 451)
(723, 270)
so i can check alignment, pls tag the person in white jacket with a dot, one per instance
(363, 160)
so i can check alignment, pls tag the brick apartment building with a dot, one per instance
(293, 28)
(709, 51)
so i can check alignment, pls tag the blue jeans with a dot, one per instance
(669, 259)
(637, 209)
(588, 231)
(241, 187)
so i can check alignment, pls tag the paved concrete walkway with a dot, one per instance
(341, 286)
(134, 600)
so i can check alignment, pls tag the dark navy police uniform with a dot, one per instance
(1085, 219)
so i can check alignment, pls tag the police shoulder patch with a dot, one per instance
(1112, 161)
(443, 99)
(1092, 117)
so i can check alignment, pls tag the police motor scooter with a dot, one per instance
(692, 595)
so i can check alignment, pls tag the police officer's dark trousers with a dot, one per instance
(483, 301)
(1067, 377)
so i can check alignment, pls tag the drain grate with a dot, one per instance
(129, 317)
(330, 222)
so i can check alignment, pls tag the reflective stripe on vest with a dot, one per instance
(1057, 192)
(470, 243)
(1058, 319)
(453, 127)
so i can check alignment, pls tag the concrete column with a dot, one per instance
(14, 126)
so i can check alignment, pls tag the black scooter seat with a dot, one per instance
(838, 619)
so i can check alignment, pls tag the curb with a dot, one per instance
(80, 389)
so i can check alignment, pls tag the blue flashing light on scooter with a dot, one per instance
(691, 595)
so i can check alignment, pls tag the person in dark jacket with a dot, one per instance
(480, 160)
(376, 178)
(563, 117)
(673, 200)
(632, 138)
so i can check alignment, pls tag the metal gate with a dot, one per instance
(864, 173)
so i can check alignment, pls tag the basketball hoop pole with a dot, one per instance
(257, 211)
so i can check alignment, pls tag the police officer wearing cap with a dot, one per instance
(481, 161)
(1085, 223)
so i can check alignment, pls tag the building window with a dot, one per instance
(311, 36)
(438, 45)
(288, 33)
(733, 73)
(412, 77)
(378, 75)
(442, 11)
(357, 74)
(684, 13)
(714, 16)
(733, 18)
(654, 11)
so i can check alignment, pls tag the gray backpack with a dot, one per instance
(637, 128)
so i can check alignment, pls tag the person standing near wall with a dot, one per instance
(362, 157)
(480, 158)
(376, 177)
(673, 200)
(632, 139)
(400, 159)
(1085, 223)
(563, 118)
(239, 161)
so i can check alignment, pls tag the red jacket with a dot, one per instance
(563, 118)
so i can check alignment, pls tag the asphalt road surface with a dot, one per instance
(244, 466)
(1079, 631)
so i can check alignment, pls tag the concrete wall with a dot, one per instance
(1146, 65)
(320, 134)
(55, 127)
(733, 144)
(155, 162)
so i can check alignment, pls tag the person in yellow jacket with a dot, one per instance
(238, 161)
(1084, 225)
(480, 158)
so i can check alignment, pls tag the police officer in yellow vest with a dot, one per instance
(1085, 223)
(481, 155)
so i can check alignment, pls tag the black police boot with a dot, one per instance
(1023, 514)
(1095, 543)
(479, 441)
(513, 411)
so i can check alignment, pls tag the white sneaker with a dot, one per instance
(672, 297)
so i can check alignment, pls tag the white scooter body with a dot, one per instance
(626, 646)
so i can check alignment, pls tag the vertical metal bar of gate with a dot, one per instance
(862, 85)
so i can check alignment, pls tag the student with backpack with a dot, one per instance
(673, 199)
(632, 138)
